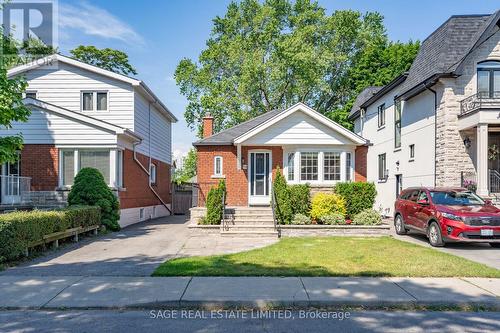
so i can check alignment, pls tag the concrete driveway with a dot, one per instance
(482, 253)
(134, 251)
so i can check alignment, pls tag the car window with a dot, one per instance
(404, 195)
(422, 196)
(452, 198)
(413, 195)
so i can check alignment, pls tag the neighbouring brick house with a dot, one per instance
(85, 116)
(305, 145)
(438, 124)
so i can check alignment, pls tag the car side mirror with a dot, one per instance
(423, 202)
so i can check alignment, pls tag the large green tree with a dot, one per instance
(379, 64)
(265, 55)
(188, 168)
(110, 59)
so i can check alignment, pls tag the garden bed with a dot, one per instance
(293, 230)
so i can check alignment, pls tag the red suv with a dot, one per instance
(447, 215)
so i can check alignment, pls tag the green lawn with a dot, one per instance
(332, 256)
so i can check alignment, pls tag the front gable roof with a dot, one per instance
(243, 132)
(137, 84)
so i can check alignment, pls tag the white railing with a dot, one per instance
(14, 190)
(494, 181)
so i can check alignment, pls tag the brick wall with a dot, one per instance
(236, 180)
(360, 163)
(41, 163)
(138, 193)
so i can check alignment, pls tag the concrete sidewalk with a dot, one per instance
(73, 292)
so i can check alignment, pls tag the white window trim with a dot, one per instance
(320, 152)
(221, 174)
(30, 92)
(112, 165)
(94, 101)
(153, 173)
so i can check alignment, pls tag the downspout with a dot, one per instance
(150, 160)
(435, 131)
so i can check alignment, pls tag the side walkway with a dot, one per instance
(77, 292)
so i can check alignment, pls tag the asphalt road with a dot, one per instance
(135, 321)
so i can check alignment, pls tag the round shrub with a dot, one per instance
(367, 217)
(301, 219)
(323, 204)
(90, 189)
(333, 218)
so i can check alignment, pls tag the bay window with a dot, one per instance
(331, 164)
(291, 166)
(317, 166)
(309, 166)
(109, 162)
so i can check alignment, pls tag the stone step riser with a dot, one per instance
(246, 219)
(249, 235)
(252, 228)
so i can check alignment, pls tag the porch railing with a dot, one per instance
(494, 181)
(15, 190)
(275, 209)
(479, 101)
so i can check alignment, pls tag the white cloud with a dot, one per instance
(96, 21)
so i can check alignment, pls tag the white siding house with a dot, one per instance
(82, 116)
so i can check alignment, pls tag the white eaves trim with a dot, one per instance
(310, 112)
(143, 88)
(96, 123)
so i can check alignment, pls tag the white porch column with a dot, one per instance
(482, 159)
(238, 157)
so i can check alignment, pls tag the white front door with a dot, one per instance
(10, 184)
(259, 177)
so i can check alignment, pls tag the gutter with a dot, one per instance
(435, 130)
(135, 144)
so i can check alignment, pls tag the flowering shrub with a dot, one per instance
(301, 219)
(327, 203)
(333, 218)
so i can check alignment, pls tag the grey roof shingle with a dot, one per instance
(445, 48)
(227, 136)
(363, 96)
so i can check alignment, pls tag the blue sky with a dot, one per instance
(158, 34)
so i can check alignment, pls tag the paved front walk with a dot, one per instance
(154, 292)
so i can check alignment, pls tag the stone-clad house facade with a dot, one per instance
(438, 124)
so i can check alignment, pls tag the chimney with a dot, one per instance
(208, 126)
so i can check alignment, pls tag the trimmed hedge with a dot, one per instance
(284, 211)
(214, 204)
(90, 189)
(300, 199)
(358, 196)
(20, 229)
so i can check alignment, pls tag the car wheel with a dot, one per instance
(495, 245)
(434, 234)
(399, 225)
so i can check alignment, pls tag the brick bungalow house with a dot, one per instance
(85, 116)
(304, 144)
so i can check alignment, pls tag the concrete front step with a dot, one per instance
(249, 227)
(250, 222)
(250, 218)
(248, 233)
